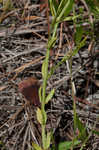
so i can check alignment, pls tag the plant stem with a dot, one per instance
(49, 46)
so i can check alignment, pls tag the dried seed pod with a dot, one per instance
(29, 88)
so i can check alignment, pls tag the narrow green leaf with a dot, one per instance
(36, 147)
(40, 93)
(55, 3)
(68, 7)
(70, 18)
(39, 116)
(48, 139)
(50, 95)
(44, 69)
(61, 6)
(65, 10)
(67, 145)
(78, 34)
(53, 7)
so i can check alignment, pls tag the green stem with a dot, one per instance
(43, 99)
(43, 136)
(50, 44)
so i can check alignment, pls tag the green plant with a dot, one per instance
(67, 145)
(94, 7)
(60, 11)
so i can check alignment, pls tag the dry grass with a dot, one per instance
(23, 39)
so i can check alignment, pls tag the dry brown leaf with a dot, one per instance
(31, 18)
(3, 87)
(29, 88)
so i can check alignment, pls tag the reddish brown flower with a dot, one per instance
(29, 88)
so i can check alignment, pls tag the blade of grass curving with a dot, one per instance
(70, 18)
(53, 7)
(60, 7)
(65, 10)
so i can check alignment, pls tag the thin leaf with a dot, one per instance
(44, 69)
(70, 18)
(53, 7)
(39, 116)
(50, 95)
(36, 147)
(78, 34)
(67, 145)
(40, 93)
(65, 10)
(61, 6)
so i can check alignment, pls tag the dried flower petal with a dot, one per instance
(29, 88)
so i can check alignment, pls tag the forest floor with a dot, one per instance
(23, 40)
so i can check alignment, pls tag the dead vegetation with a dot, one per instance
(23, 37)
